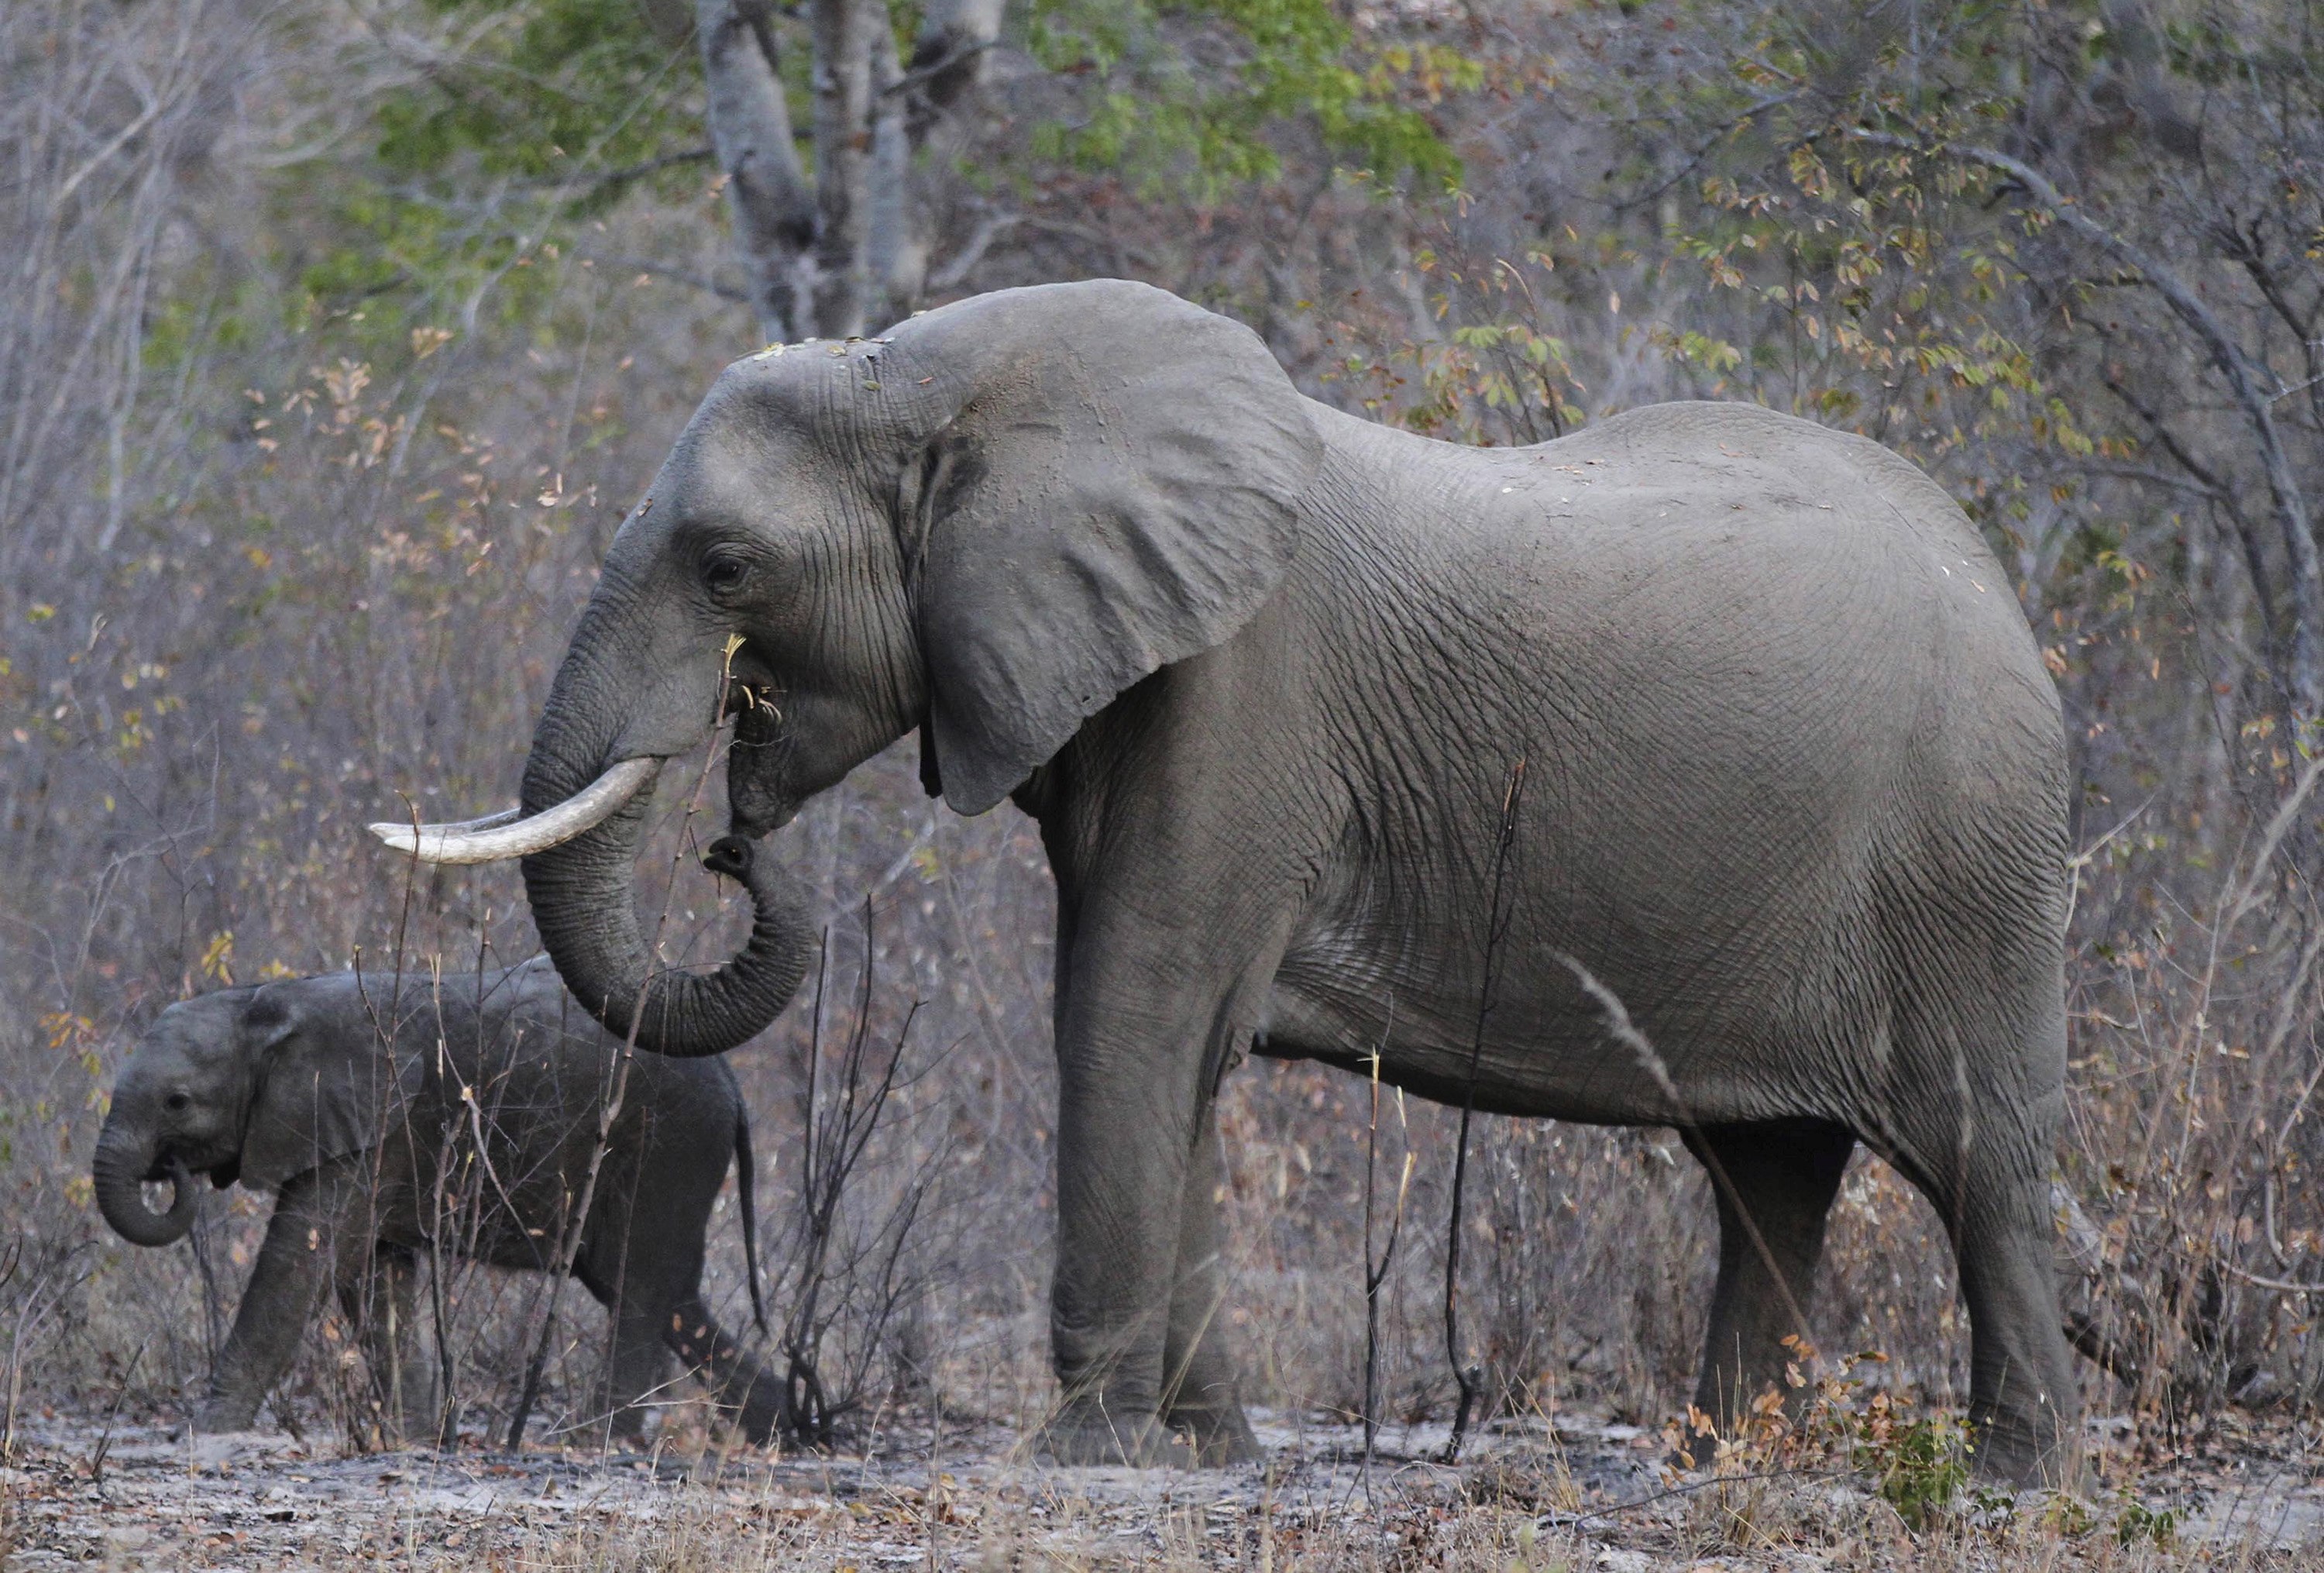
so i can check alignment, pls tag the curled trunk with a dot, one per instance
(119, 1173)
(581, 903)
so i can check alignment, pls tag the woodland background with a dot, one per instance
(336, 337)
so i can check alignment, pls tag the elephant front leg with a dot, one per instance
(1200, 1401)
(1122, 1159)
(1167, 949)
(294, 1269)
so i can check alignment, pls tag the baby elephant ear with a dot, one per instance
(323, 1080)
(1112, 485)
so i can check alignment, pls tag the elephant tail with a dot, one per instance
(744, 1169)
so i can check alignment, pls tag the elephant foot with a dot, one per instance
(221, 1417)
(1085, 1436)
(1218, 1435)
(2027, 1455)
(220, 1446)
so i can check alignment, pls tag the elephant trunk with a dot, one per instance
(119, 1171)
(581, 901)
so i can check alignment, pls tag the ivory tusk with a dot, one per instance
(496, 838)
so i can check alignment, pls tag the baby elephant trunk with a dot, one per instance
(119, 1173)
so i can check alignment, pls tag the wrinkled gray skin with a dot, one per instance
(1795, 792)
(288, 1087)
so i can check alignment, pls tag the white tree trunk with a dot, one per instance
(773, 208)
(844, 30)
(948, 57)
(850, 249)
(897, 236)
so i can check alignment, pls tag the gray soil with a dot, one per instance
(76, 1491)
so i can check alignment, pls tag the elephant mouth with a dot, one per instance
(222, 1173)
(759, 796)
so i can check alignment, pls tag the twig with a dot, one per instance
(1497, 921)
(2281, 1285)
(1376, 1273)
(566, 185)
(105, 1438)
(1557, 1520)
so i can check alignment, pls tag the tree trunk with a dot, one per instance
(750, 131)
(897, 234)
(844, 32)
(848, 250)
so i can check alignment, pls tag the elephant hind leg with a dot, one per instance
(1775, 1185)
(636, 1365)
(378, 1298)
(1993, 1193)
(2024, 1394)
(745, 1392)
(1975, 1107)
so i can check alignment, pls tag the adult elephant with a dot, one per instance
(1794, 790)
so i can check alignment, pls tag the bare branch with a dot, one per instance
(2244, 376)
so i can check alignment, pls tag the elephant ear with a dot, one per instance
(1114, 485)
(320, 1088)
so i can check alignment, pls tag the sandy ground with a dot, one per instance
(78, 1493)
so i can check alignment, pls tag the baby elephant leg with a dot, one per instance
(746, 1393)
(378, 1301)
(294, 1268)
(636, 1366)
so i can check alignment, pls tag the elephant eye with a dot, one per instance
(176, 1102)
(722, 573)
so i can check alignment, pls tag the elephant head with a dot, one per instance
(987, 525)
(256, 1084)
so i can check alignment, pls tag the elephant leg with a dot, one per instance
(294, 1270)
(1775, 1184)
(1123, 1153)
(2025, 1394)
(1167, 955)
(2024, 1403)
(636, 1362)
(1200, 1401)
(1979, 1138)
(746, 1393)
(379, 1303)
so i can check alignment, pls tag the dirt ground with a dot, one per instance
(1582, 1493)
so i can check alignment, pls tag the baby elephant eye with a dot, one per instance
(177, 1101)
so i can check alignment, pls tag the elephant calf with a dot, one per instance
(466, 1112)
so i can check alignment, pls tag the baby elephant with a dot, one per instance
(463, 1110)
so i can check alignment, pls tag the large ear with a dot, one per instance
(322, 1086)
(1112, 485)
